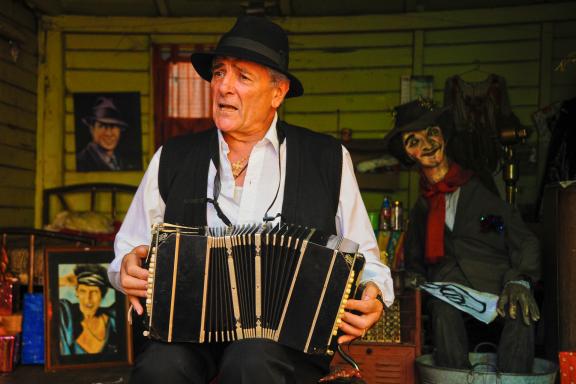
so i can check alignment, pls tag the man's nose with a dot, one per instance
(226, 83)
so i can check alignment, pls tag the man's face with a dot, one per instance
(105, 135)
(427, 147)
(244, 97)
(89, 297)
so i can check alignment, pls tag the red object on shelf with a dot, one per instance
(567, 367)
(7, 345)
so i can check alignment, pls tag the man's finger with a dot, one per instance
(136, 304)
(137, 272)
(131, 282)
(512, 311)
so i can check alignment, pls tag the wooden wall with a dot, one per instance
(17, 115)
(350, 67)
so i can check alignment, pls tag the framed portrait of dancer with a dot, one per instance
(85, 318)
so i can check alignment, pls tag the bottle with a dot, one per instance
(397, 216)
(385, 214)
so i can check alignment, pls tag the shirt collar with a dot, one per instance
(271, 137)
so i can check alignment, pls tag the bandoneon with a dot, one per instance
(285, 283)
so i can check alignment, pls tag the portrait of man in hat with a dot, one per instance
(107, 132)
(461, 232)
(251, 167)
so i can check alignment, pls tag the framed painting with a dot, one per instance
(85, 318)
(108, 131)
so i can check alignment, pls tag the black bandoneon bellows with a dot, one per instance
(287, 283)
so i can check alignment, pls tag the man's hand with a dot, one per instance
(371, 310)
(516, 293)
(133, 277)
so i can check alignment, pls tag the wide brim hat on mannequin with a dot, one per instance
(105, 112)
(255, 39)
(415, 116)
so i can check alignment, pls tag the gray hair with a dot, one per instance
(277, 76)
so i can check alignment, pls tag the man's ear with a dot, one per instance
(280, 91)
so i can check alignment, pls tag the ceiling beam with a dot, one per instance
(47, 7)
(162, 8)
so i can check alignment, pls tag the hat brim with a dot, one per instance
(91, 120)
(428, 120)
(202, 62)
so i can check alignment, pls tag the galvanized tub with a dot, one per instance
(484, 372)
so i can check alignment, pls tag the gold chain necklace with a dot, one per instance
(238, 166)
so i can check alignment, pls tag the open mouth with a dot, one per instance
(431, 153)
(226, 107)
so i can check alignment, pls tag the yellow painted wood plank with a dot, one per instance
(358, 80)
(17, 97)
(493, 52)
(16, 117)
(144, 104)
(51, 134)
(95, 81)
(17, 197)
(18, 138)
(136, 25)
(41, 132)
(16, 217)
(363, 125)
(516, 74)
(185, 39)
(11, 73)
(565, 28)
(343, 102)
(112, 60)
(373, 57)
(12, 177)
(349, 40)
(93, 41)
(17, 157)
(483, 34)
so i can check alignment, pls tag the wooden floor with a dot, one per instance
(34, 374)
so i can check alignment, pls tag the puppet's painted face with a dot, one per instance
(427, 146)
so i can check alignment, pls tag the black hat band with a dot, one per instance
(254, 46)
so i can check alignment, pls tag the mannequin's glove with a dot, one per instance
(413, 280)
(514, 293)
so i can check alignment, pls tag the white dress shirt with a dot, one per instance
(248, 204)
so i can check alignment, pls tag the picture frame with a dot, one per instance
(86, 323)
(108, 131)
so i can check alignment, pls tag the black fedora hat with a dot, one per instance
(413, 116)
(255, 39)
(105, 111)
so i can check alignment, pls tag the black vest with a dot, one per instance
(312, 186)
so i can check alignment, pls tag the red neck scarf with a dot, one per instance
(435, 194)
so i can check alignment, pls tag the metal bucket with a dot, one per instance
(484, 371)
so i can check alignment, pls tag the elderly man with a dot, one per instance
(252, 166)
(461, 232)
